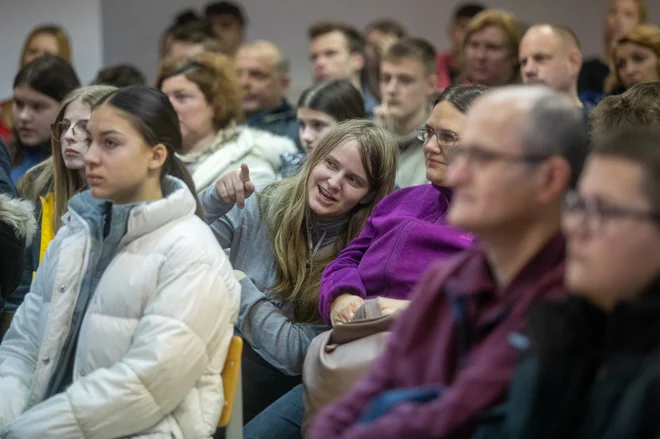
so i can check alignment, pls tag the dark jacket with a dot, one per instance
(281, 121)
(453, 336)
(587, 374)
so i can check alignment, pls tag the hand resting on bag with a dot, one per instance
(390, 306)
(343, 308)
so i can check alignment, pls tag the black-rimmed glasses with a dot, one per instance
(595, 212)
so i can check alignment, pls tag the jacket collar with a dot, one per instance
(282, 111)
(634, 325)
(476, 278)
(141, 218)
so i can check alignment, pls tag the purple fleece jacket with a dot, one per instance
(405, 233)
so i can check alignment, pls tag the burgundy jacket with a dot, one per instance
(467, 353)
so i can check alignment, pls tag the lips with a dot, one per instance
(326, 196)
(71, 152)
(93, 179)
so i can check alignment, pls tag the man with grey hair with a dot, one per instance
(451, 355)
(264, 75)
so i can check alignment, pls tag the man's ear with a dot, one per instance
(556, 178)
(285, 82)
(158, 157)
(431, 82)
(575, 61)
(357, 61)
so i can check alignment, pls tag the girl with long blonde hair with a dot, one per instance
(282, 239)
(53, 182)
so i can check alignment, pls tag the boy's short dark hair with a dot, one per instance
(417, 48)
(226, 8)
(120, 75)
(468, 10)
(353, 36)
(389, 27)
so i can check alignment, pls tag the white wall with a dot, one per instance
(81, 18)
(132, 28)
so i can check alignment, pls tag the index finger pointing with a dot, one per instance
(245, 173)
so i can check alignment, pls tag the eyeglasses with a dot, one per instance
(594, 212)
(445, 137)
(481, 157)
(58, 129)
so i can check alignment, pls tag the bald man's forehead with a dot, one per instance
(262, 54)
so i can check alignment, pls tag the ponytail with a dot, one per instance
(177, 169)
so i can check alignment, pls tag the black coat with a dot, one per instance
(17, 225)
(587, 374)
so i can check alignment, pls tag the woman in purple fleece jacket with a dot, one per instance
(407, 230)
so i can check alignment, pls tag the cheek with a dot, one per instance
(355, 195)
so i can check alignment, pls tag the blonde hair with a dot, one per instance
(505, 21)
(216, 77)
(285, 210)
(52, 175)
(63, 42)
(644, 35)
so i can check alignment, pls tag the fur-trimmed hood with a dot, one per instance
(19, 215)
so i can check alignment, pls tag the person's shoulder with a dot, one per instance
(269, 144)
(411, 197)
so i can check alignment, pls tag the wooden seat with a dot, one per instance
(230, 377)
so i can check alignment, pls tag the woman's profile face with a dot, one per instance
(636, 64)
(119, 165)
(313, 125)
(73, 135)
(196, 115)
(40, 44)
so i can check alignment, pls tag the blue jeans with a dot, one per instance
(281, 420)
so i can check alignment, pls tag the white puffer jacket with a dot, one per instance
(258, 149)
(153, 340)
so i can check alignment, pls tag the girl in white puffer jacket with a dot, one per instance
(128, 321)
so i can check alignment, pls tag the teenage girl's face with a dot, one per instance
(39, 45)
(313, 126)
(338, 183)
(74, 137)
(119, 165)
(33, 113)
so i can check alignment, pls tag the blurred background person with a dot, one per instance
(206, 94)
(407, 81)
(336, 51)
(45, 38)
(622, 16)
(228, 23)
(492, 42)
(450, 64)
(119, 75)
(190, 39)
(39, 88)
(550, 55)
(379, 37)
(635, 59)
(264, 74)
(320, 108)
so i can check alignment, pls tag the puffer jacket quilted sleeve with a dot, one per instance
(167, 377)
